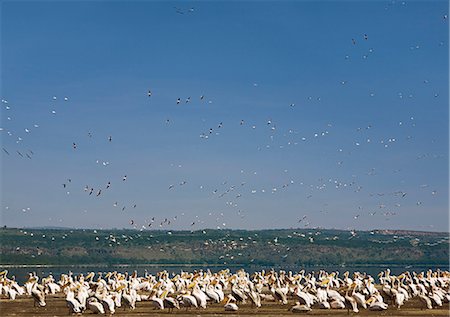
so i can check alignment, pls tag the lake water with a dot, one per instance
(21, 272)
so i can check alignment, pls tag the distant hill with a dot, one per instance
(286, 247)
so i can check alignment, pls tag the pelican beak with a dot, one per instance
(231, 278)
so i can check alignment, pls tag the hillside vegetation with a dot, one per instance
(262, 247)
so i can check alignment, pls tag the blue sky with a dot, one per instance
(322, 114)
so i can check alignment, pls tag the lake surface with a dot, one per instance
(21, 272)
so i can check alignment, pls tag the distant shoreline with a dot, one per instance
(6, 266)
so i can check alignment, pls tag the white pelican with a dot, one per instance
(199, 295)
(82, 296)
(321, 295)
(129, 298)
(360, 299)
(18, 289)
(426, 301)
(399, 298)
(108, 304)
(32, 280)
(304, 297)
(254, 296)
(435, 297)
(170, 302)
(298, 308)
(72, 303)
(375, 304)
(230, 305)
(95, 306)
(324, 305)
(51, 286)
(337, 304)
(351, 301)
(187, 300)
(38, 294)
(279, 294)
(348, 281)
(332, 294)
(210, 291)
(9, 290)
(219, 290)
(157, 302)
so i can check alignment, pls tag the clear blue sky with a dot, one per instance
(323, 114)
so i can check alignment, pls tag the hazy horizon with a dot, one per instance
(204, 229)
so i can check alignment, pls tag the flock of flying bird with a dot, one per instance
(234, 192)
(104, 293)
(233, 189)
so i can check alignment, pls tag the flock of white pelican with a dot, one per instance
(104, 293)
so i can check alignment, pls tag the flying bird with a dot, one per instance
(178, 10)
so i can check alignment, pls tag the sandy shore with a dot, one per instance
(56, 306)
